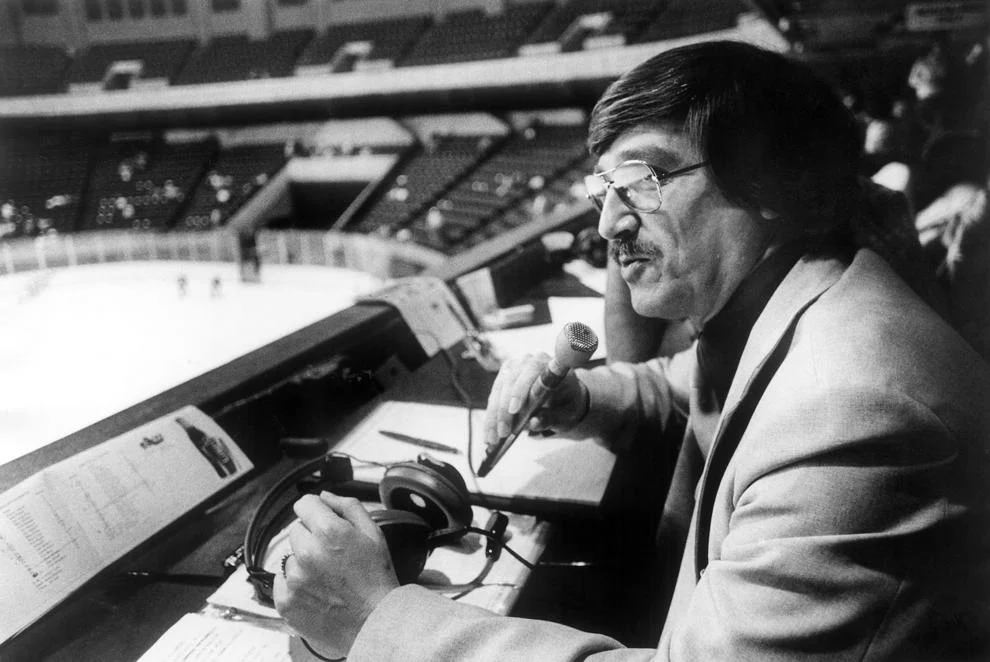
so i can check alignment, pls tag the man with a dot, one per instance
(830, 483)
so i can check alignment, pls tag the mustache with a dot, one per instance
(620, 248)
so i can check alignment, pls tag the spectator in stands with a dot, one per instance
(837, 426)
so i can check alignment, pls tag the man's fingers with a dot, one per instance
(352, 511)
(314, 514)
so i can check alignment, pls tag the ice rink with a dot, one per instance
(80, 344)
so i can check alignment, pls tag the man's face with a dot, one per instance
(686, 258)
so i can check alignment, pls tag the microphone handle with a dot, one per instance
(548, 380)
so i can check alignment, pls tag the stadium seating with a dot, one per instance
(160, 59)
(518, 169)
(237, 57)
(476, 35)
(625, 18)
(42, 181)
(32, 70)
(463, 190)
(141, 183)
(420, 179)
(388, 40)
(688, 17)
(233, 177)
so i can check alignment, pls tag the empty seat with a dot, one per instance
(390, 39)
(232, 178)
(237, 57)
(159, 59)
(476, 35)
(28, 70)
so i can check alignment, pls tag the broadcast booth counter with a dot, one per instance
(105, 581)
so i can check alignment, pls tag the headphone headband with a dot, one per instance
(426, 505)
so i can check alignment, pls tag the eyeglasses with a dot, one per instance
(637, 184)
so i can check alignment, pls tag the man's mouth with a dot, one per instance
(626, 260)
(628, 253)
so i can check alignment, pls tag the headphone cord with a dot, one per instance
(466, 400)
(516, 555)
(313, 652)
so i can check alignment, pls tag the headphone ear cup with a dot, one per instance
(406, 535)
(431, 489)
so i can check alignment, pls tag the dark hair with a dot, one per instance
(775, 135)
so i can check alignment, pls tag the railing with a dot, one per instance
(364, 253)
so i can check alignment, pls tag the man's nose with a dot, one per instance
(616, 219)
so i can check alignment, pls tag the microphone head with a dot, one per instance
(575, 345)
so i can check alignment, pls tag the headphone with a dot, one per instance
(426, 506)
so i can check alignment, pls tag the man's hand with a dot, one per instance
(517, 385)
(339, 570)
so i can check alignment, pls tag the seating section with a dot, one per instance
(160, 59)
(683, 18)
(459, 36)
(476, 35)
(626, 17)
(520, 169)
(42, 180)
(142, 183)
(420, 179)
(237, 57)
(449, 194)
(32, 70)
(463, 191)
(390, 39)
(232, 178)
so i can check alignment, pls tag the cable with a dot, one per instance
(175, 578)
(465, 398)
(318, 656)
(512, 552)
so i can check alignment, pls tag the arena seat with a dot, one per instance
(626, 18)
(142, 182)
(520, 167)
(235, 175)
(160, 59)
(476, 35)
(389, 40)
(238, 57)
(682, 18)
(32, 69)
(42, 180)
(420, 179)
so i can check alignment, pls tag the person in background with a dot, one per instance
(830, 491)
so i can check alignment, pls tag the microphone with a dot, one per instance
(575, 344)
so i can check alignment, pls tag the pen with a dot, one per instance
(418, 441)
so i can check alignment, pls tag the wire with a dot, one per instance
(514, 553)
(175, 578)
(466, 400)
(317, 655)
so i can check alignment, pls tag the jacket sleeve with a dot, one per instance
(630, 399)
(414, 624)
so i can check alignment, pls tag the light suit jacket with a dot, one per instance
(841, 513)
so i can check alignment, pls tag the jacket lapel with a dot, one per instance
(765, 348)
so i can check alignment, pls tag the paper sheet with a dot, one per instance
(587, 275)
(199, 638)
(549, 469)
(507, 343)
(454, 564)
(69, 521)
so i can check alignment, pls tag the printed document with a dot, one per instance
(63, 525)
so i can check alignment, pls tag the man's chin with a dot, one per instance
(653, 302)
